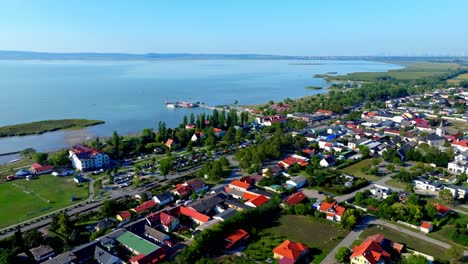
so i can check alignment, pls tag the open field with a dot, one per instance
(319, 234)
(22, 199)
(41, 127)
(395, 183)
(410, 241)
(459, 125)
(355, 170)
(459, 78)
(414, 71)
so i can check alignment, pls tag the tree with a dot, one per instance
(65, 225)
(350, 218)
(446, 196)
(40, 157)
(54, 224)
(300, 209)
(194, 196)
(359, 198)
(342, 254)
(455, 254)
(33, 238)
(17, 241)
(59, 158)
(115, 141)
(136, 181)
(415, 259)
(165, 166)
(109, 208)
(390, 167)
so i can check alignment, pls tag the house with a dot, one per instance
(101, 256)
(426, 227)
(292, 160)
(333, 211)
(144, 207)
(297, 182)
(226, 214)
(324, 112)
(458, 165)
(380, 192)
(144, 196)
(197, 185)
(290, 252)
(190, 126)
(169, 222)
(376, 249)
(295, 198)
(125, 215)
(441, 210)
(182, 190)
(270, 120)
(257, 201)
(38, 169)
(156, 236)
(104, 224)
(84, 158)
(236, 239)
(209, 203)
(424, 183)
(144, 251)
(63, 172)
(195, 216)
(239, 185)
(163, 198)
(169, 143)
(197, 136)
(271, 171)
(42, 252)
(79, 179)
(458, 192)
(327, 161)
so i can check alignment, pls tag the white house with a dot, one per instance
(85, 158)
(297, 182)
(380, 192)
(458, 165)
(424, 183)
(458, 192)
(163, 198)
(327, 161)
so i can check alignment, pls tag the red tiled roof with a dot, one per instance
(426, 225)
(145, 206)
(290, 161)
(235, 237)
(258, 201)
(189, 126)
(322, 111)
(461, 143)
(371, 251)
(38, 167)
(290, 249)
(339, 210)
(166, 218)
(295, 198)
(182, 190)
(125, 215)
(249, 196)
(169, 143)
(238, 183)
(80, 149)
(441, 209)
(246, 179)
(194, 214)
(324, 206)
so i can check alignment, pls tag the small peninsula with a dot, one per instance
(313, 88)
(40, 127)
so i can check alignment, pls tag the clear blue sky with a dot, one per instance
(309, 27)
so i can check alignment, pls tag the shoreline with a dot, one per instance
(46, 126)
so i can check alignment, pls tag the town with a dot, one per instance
(375, 182)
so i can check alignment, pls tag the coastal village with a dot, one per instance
(398, 169)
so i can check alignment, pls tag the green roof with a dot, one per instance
(137, 243)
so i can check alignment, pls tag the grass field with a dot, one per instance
(12, 168)
(413, 71)
(22, 200)
(46, 126)
(355, 170)
(410, 241)
(320, 235)
(395, 183)
(459, 78)
(459, 125)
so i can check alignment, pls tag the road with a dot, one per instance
(368, 220)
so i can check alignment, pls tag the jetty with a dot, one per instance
(180, 104)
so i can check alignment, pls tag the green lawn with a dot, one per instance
(22, 200)
(318, 234)
(40, 127)
(410, 241)
(395, 183)
(355, 170)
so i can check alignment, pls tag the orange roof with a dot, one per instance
(426, 225)
(295, 198)
(324, 206)
(233, 238)
(292, 160)
(290, 249)
(259, 200)
(194, 214)
(169, 142)
(238, 183)
(166, 218)
(441, 209)
(125, 215)
(249, 196)
(144, 206)
(339, 210)
(371, 251)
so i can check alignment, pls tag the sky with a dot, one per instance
(309, 27)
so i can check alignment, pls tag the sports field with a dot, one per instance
(21, 199)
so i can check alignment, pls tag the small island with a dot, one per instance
(313, 88)
(40, 127)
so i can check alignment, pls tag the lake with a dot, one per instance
(129, 95)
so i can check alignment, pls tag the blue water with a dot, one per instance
(129, 95)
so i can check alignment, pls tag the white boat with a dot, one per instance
(15, 160)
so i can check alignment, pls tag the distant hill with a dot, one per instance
(30, 55)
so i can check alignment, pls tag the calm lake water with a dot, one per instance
(129, 95)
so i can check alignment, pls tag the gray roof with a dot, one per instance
(156, 234)
(298, 179)
(238, 204)
(78, 255)
(228, 213)
(164, 196)
(206, 204)
(103, 256)
(41, 251)
(236, 192)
